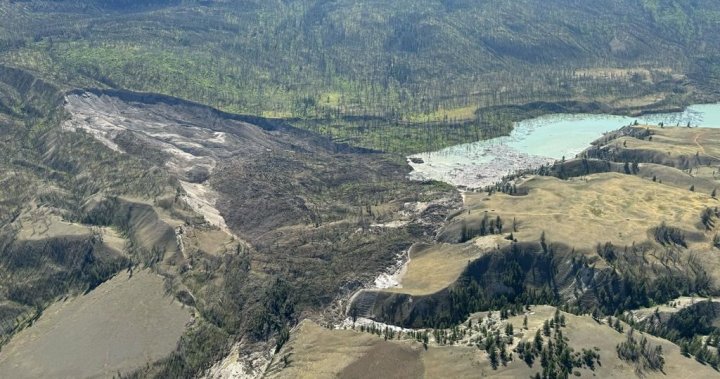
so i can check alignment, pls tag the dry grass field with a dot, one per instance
(316, 352)
(39, 224)
(120, 326)
(599, 208)
(676, 141)
(432, 268)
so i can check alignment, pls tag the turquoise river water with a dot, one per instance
(537, 141)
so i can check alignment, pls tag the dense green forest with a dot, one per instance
(400, 76)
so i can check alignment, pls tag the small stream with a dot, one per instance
(537, 141)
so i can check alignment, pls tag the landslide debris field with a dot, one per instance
(253, 226)
(249, 223)
(625, 228)
(210, 189)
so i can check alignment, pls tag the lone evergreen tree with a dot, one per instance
(504, 356)
(493, 357)
(538, 341)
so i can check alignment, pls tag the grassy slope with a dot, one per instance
(594, 209)
(432, 268)
(317, 352)
(588, 210)
(84, 337)
(47, 176)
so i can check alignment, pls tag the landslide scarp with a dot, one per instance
(250, 222)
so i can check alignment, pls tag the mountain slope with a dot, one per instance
(328, 63)
(250, 222)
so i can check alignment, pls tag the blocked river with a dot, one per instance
(537, 141)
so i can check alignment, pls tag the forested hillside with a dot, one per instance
(365, 70)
